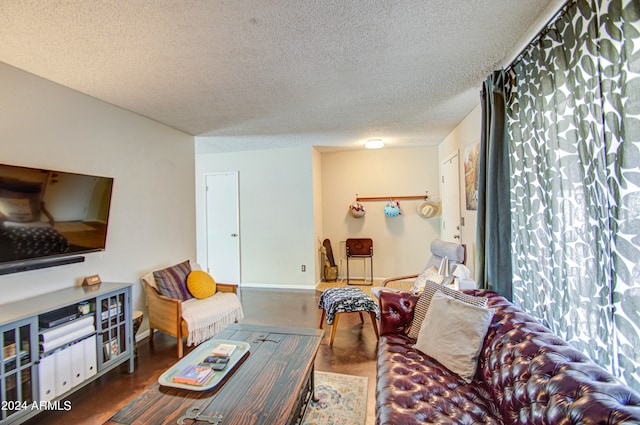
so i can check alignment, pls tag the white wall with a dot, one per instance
(152, 221)
(276, 213)
(465, 134)
(292, 198)
(400, 244)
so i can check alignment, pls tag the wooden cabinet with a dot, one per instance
(44, 359)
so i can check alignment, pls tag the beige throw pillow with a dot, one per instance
(422, 305)
(453, 332)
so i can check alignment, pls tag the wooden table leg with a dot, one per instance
(375, 324)
(334, 328)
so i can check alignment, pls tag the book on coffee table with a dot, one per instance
(224, 350)
(194, 375)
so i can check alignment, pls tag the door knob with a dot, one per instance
(456, 236)
(234, 235)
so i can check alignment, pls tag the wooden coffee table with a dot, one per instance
(272, 385)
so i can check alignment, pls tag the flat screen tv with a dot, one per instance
(48, 218)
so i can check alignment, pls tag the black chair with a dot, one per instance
(360, 248)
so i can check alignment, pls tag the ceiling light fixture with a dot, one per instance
(374, 144)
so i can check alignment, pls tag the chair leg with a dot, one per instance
(180, 349)
(322, 318)
(375, 324)
(333, 329)
(361, 317)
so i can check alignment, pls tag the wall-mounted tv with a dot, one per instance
(48, 217)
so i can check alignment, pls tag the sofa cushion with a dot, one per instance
(537, 377)
(452, 333)
(200, 284)
(413, 388)
(172, 281)
(396, 311)
(422, 306)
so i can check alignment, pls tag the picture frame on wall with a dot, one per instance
(471, 169)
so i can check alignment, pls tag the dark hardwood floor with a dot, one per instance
(353, 353)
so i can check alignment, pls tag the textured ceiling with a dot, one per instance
(253, 73)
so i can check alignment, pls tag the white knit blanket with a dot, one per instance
(208, 316)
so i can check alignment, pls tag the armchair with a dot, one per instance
(196, 319)
(456, 253)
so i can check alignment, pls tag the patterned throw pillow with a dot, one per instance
(200, 284)
(422, 305)
(172, 281)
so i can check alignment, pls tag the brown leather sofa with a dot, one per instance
(526, 375)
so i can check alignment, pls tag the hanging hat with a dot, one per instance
(357, 210)
(428, 209)
(392, 209)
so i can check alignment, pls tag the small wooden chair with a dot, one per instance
(360, 248)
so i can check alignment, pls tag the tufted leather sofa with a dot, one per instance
(526, 375)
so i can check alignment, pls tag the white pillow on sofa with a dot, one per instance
(453, 332)
(422, 305)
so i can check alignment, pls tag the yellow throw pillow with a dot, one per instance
(201, 284)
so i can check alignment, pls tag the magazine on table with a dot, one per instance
(194, 375)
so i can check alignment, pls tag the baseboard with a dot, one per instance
(142, 335)
(275, 286)
(344, 278)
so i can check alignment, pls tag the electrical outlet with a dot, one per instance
(303, 268)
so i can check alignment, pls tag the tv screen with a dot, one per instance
(46, 214)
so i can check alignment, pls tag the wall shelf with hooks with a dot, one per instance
(387, 198)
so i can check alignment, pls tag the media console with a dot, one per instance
(56, 343)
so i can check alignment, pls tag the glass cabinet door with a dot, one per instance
(113, 313)
(18, 341)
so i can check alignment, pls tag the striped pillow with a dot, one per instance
(430, 288)
(172, 281)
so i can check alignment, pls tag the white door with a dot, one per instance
(223, 237)
(450, 195)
